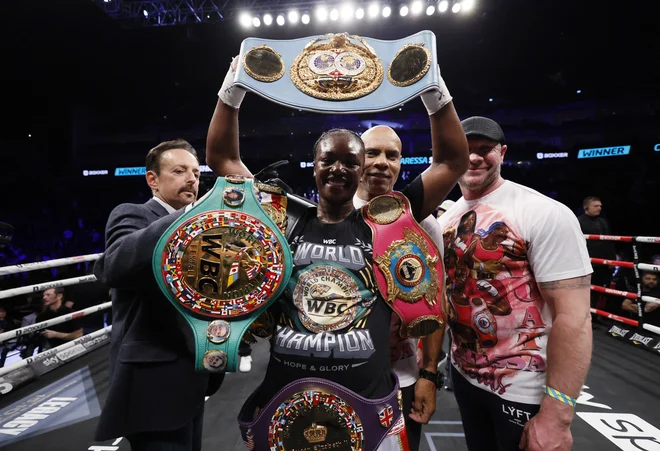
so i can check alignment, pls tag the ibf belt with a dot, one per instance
(317, 414)
(338, 72)
(221, 265)
(409, 270)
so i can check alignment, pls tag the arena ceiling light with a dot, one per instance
(347, 12)
(305, 18)
(256, 22)
(293, 16)
(334, 14)
(443, 6)
(280, 20)
(467, 5)
(430, 10)
(321, 13)
(268, 19)
(456, 8)
(403, 11)
(387, 11)
(416, 7)
(373, 10)
(359, 14)
(245, 19)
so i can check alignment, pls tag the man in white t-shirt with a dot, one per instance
(381, 170)
(518, 305)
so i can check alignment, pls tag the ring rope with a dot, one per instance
(652, 328)
(50, 352)
(622, 264)
(25, 267)
(625, 294)
(626, 239)
(45, 286)
(622, 319)
(51, 322)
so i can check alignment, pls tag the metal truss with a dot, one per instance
(158, 13)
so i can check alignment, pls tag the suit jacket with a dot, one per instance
(153, 383)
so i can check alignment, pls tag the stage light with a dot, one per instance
(280, 20)
(490, 100)
(334, 14)
(359, 13)
(256, 22)
(305, 18)
(373, 10)
(430, 10)
(456, 8)
(321, 14)
(146, 14)
(467, 5)
(417, 7)
(387, 11)
(579, 91)
(293, 16)
(245, 20)
(347, 12)
(268, 19)
(443, 5)
(403, 11)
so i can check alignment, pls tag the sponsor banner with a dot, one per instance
(626, 430)
(90, 172)
(405, 161)
(67, 401)
(141, 170)
(641, 338)
(545, 156)
(49, 360)
(604, 152)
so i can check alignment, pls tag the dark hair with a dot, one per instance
(57, 290)
(337, 131)
(153, 157)
(589, 199)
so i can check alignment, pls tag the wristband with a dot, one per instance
(229, 93)
(436, 99)
(559, 396)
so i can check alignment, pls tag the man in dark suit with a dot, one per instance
(592, 223)
(156, 399)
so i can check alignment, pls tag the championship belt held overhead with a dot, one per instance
(339, 73)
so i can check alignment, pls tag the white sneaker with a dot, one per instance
(245, 365)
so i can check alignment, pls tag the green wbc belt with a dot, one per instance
(221, 265)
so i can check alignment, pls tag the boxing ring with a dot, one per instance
(52, 400)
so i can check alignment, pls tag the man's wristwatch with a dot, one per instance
(437, 378)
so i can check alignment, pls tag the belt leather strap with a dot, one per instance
(221, 265)
(409, 269)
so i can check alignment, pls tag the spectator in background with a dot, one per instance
(651, 310)
(60, 333)
(87, 295)
(30, 341)
(6, 324)
(592, 223)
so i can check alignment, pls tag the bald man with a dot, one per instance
(381, 171)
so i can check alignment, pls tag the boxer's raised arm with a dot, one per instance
(222, 150)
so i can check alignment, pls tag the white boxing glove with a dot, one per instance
(436, 99)
(229, 93)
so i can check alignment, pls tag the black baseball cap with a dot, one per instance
(483, 127)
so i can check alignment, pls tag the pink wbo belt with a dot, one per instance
(409, 270)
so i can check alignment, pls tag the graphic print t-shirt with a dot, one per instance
(332, 323)
(497, 249)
